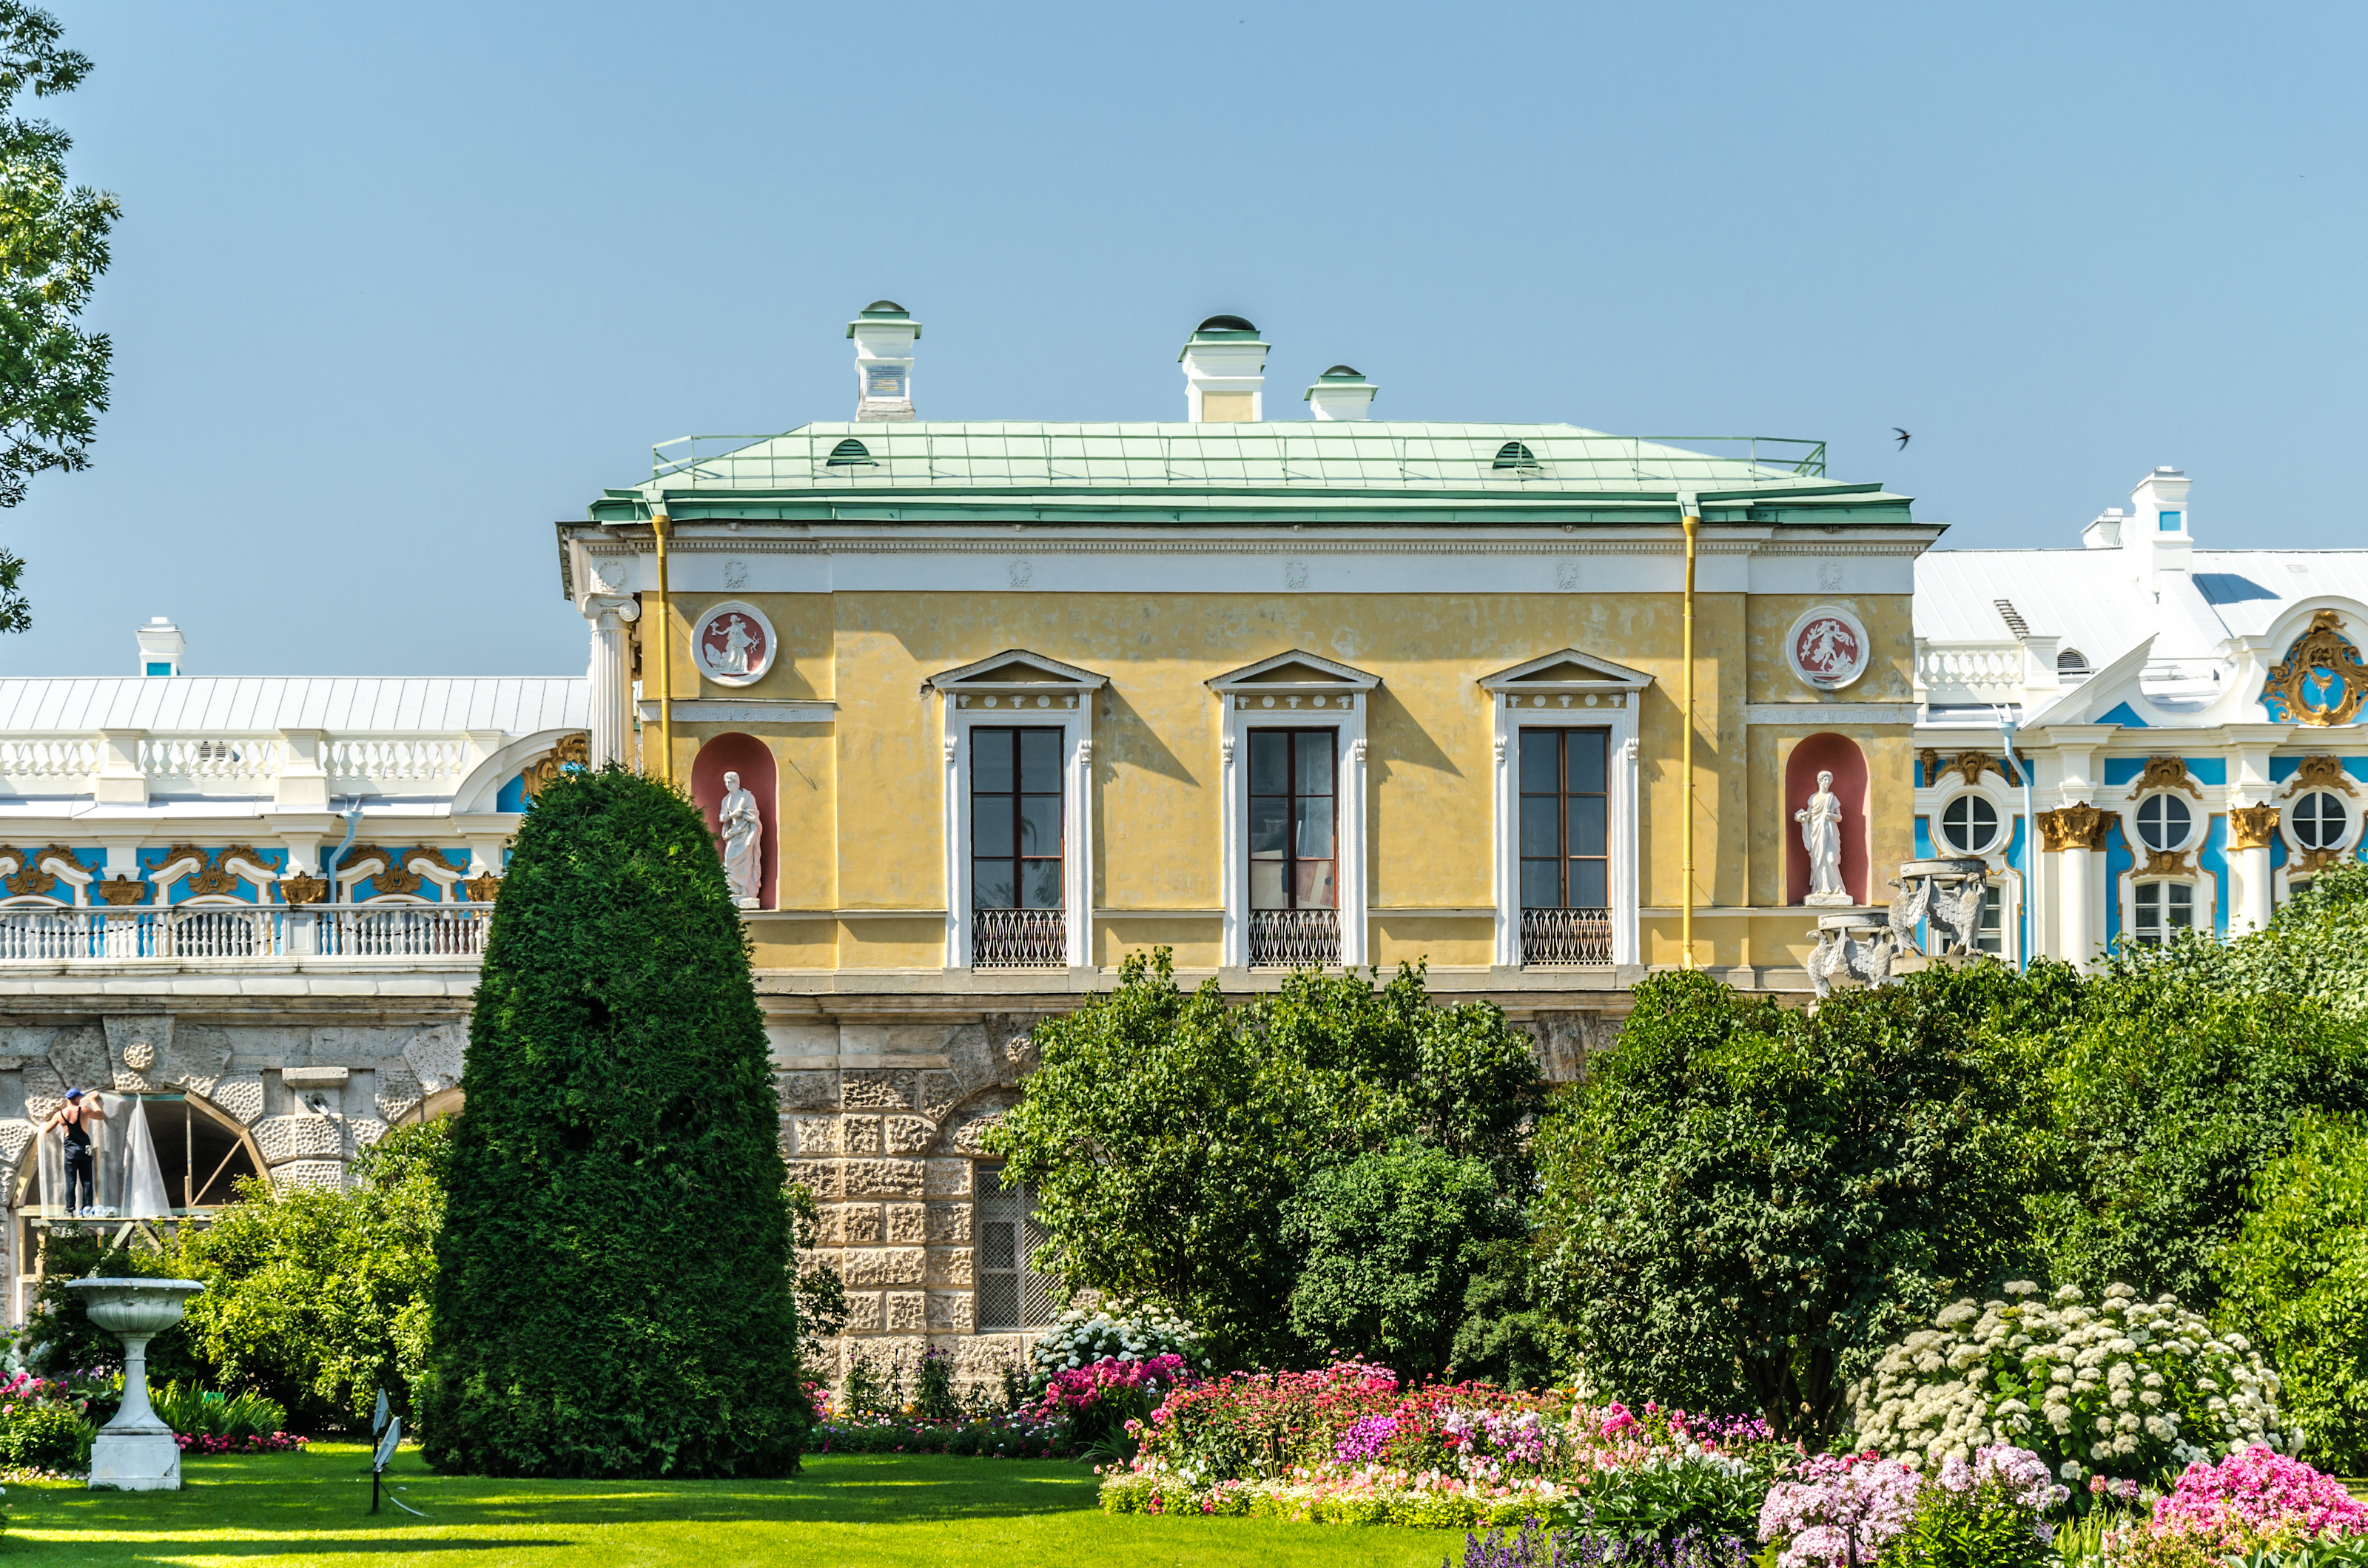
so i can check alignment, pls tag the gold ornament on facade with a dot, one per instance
(30, 881)
(2253, 827)
(120, 890)
(571, 749)
(304, 887)
(2296, 685)
(2320, 770)
(2311, 861)
(2165, 773)
(2171, 863)
(213, 874)
(2076, 826)
(482, 890)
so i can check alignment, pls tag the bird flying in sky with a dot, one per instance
(1904, 437)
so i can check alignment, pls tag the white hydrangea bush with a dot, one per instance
(2122, 1389)
(1130, 1330)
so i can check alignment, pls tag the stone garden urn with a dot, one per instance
(136, 1452)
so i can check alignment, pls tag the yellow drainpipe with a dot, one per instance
(1690, 521)
(660, 524)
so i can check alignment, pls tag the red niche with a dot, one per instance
(748, 757)
(1840, 757)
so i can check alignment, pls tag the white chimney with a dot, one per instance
(1341, 393)
(885, 334)
(2158, 533)
(2105, 533)
(1225, 372)
(160, 648)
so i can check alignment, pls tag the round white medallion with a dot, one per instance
(1827, 647)
(735, 644)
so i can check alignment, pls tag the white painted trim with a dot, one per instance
(1821, 682)
(1508, 716)
(744, 710)
(1826, 714)
(2207, 898)
(1072, 712)
(1290, 707)
(2355, 818)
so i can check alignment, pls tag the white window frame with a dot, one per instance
(1605, 698)
(1339, 702)
(2355, 813)
(1054, 696)
(2206, 912)
(1999, 808)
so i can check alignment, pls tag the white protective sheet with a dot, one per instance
(143, 1187)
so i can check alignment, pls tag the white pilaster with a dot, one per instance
(612, 678)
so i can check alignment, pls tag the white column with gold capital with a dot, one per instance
(612, 677)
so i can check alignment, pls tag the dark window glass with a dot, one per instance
(2318, 821)
(1565, 819)
(1969, 824)
(1292, 819)
(1991, 939)
(2163, 822)
(1014, 819)
(2164, 909)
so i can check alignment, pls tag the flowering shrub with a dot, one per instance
(1346, 1443)
(2257, 1498)
(2124, 1388)
(1109, 1398)
(1979, 1513)
(253, 1443)
(1117, 1330)
(1016, 1436)
(1843, 1507)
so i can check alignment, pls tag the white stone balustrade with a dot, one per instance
(123, 764)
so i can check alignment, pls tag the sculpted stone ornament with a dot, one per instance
(1821, 835)
(743, 830)
(2253, 827)
(136, 1452)
(1851, 947)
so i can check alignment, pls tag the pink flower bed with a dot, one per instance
(2254, 1497)
(256, 1443)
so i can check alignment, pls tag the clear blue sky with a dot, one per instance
(398, 285)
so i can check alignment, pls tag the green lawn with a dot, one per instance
(845, 1511)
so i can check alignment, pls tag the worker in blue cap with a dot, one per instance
(76, 1117)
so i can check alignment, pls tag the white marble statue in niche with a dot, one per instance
(744, 836)
(1821, 835)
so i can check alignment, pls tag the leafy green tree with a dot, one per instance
(614, 1295)
(1165, 1134)
(1744, 1202)
(2296, 1281)
(318, 1299)
(1390, 1242)
(53, 246)
(1507, 1336)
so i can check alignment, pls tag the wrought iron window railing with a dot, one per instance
(1295, 939)
(221, 932)
(1566, 938)
(1019, 938)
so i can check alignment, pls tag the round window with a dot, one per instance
(2318, 821)
(1969, 824)
(2163, 821)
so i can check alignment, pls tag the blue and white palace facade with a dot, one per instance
(2139, 735)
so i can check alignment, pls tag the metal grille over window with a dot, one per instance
(1565, 847)
(1010, 1294)
(1016, 849)
(2164, 910)
(1294, 892)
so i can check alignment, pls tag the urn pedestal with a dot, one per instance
(136, 1452)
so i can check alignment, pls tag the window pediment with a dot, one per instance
(1295, 670)
(1563, 676)
(1017, 670)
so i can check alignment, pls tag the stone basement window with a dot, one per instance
(1010, 1294)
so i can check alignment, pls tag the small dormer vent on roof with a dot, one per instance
(1515, 457)
(1342, 392)
(1225, 372)
(2071, 662)
(884, 333)
(851, 453)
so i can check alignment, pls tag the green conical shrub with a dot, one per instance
(613, 1289)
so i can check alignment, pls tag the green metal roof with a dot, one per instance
(1305, 467)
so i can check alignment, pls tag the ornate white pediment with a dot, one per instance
(1297, 672)
(1566, 673)
(1017, 670)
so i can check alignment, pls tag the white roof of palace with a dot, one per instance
(258, 704)
(2086, 598)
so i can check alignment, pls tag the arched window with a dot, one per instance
(850, 453)
(1516, 456)
(2164, 821)
(1969, 824)
(2320, 821)
(2071, 662)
